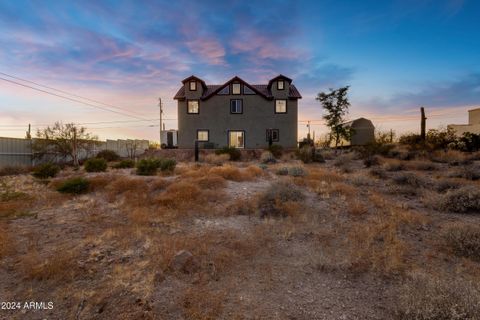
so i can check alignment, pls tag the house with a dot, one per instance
(363, 132)
(237, 114)
(473, 125)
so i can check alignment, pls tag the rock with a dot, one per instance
(183, 261)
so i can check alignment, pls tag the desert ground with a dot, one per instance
(385, 238)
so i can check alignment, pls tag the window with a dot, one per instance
(225, 90)
(274, 134)
(247, 90)
(236, 106)
(236, 139)
(236, 88)
(193, 106)
(280, 84)
(202, 135)
(280, 106)
(193, 85)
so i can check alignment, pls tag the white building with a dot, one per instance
(473, 125)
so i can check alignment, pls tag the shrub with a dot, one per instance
(309, 154)
(168, 165)
(234, 153)
(217, 159)
(278, 200)
(452, 157)
(378, 173)
(446, 184)
(408, 178)
(463, 240)
(95, 165)
(13, 170)
(46, 170)
(371, 161)
(276, 150)
(425, 297)
(463, 200)
(394, 166)
(148, 167)
(267, 157)
(76, 185)
(108, 155)
(467, 172)
(344, 162)
(422, 165)
(283, 171)
(297, 171)
(128, 163)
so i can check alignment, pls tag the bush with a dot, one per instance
(446, 184)
(148, 167)
(46, 170)
(297, 172)
(267, 157)
(76, 185)
(309, 154)
(276, 150)
(13, 170)
(409, 179)
(128, 163)
(467, 172)
(463, 200)
(378, 173)
(463, 240)
(371, 161)
(283, 171)
(167, 164)
(277, 200)
(234, 153)
(425, 297)
(108, 155)
(95, 165)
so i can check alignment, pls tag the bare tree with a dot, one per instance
(64, 140)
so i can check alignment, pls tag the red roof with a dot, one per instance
(261, 89)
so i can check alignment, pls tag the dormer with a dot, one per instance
(194, 87)
(280, 86)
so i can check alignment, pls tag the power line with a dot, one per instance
(68, 93)
(71, 99)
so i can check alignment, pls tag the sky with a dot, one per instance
(395, 55)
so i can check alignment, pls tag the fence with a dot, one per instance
(19, 152)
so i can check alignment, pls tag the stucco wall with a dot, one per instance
(474, 116)
(258, 115)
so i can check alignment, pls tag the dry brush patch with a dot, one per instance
(462, 239)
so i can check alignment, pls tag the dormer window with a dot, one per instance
(280, 85)
(193, 85)
(236, 88)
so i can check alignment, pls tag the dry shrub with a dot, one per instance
(328, 176)
(409, 179)
(378, 173)
(463, 200)
(241, 206)
(158, 184)
(13, 170)
(343, 189)
(378, 200)
(452, 157)
(210, 182)
(15, 205)
(280, 200)
(344, 162)
(6, 241)
(393, 165)
(471, 172)
(356, 207)
(427, 297)
(463, 239)
(201, 303)
(421, 165)
(122, 185)
(192, 170)
(100, 182)
(361, 180)
(217, 159)
(59, 264)
(235, 174)
(180, 195)
(443, 185)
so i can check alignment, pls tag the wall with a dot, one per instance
(258, 115)
(18, 152)
(474, 116)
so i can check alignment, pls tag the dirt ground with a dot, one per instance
(204, 243)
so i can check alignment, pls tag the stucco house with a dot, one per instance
(237, 114)
(473, 125)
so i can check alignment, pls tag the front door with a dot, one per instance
(236, 139)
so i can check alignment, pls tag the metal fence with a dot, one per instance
(19, 152)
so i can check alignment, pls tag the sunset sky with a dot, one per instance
(396, 55)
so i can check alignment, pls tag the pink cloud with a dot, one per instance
(208, 49)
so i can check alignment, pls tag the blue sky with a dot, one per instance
(396, 56)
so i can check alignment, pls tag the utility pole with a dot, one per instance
(422, 124)
(308, 126)
(161, 112)
(29, 132)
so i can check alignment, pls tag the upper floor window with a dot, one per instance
(247, 90)
(280, 84)
(225, 90)
(193, 85)
(280, 106)
(236, 88)
(193, 106)
(202, 135)
(236, 106)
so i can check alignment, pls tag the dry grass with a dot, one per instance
(281, 199)
(356, 207)
(393, 165)
(242, 206)
(463, 200)
(217, 160)
(233, 173)
(211, 182)
(201, 303)
(6, 241)
(429, 297)
(463, 240)
(452, 157)
(421, 165)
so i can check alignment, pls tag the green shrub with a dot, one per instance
(297, 172)
(276, 150)
(234, 153)
(148, 167)
(463, 240)
(76, 185)
(128, 163)
(46, 170)
(167, 164)
(283, 171)
(108, 155)
(95, 165)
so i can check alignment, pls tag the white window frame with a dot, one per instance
(193, 85)
(280, 87)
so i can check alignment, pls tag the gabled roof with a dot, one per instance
(192, 77)
(279, 77)
(260, 89)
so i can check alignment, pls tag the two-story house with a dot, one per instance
(238, 114)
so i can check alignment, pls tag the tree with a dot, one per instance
(336, 105)
(64, 140)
